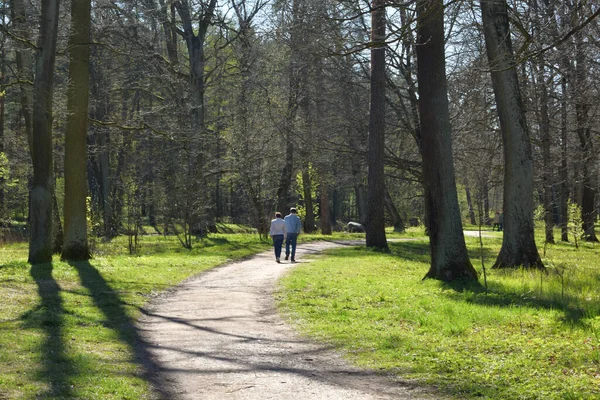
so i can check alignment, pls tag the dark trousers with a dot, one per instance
(277, 243)
(291, 240)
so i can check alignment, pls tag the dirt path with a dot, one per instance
(218, 336)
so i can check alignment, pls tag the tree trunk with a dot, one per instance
(194, 38)
(285, 180)
(564, 165)
(449, 258)
(470, 205)
(375, 222)
(169, 31)
(40, 211)
(544, 124)
(309, 218)
(76, 242)
(518, 244)
(296, 76)
(324, 204)
(397, 220)
(57, 230)
(3, 217)
(586, 145)
(195, 35)
(357, 180)
(486, 202)
(24, 72)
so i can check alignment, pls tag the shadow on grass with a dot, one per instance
(108, 302)
(474, 293)
(57, 368)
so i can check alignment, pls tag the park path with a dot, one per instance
(219, 336)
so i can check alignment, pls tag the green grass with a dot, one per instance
(67, 330)
(532, 336)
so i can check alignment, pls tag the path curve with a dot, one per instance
(219, 336)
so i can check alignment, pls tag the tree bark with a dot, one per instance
(564, 165)
(24, 73)
(375, 223)
(75, 235)
(449, 258)
(3, 217)
(518, 244)
(324, 204)
(397, 220)
(544, 124)
(470, 204)
(40, 208)
(309, 218)
(169, 31)
(586, 145)
(194, 38)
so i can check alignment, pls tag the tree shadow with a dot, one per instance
(475, 293)
(57, 368)
(116, 318)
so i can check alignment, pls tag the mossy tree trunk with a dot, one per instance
(75, 234)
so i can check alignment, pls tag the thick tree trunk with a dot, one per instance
(375, 222)
(518, 244)
(75, 241)
(449, 258)
(40, 208)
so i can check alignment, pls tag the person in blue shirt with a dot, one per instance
(292, 230)
(277, 232)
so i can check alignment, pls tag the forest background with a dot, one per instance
(210, 115)
(223, 111)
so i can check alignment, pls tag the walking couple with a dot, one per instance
(287, 228)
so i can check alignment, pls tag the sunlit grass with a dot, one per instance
(532, 336)
(68, 330)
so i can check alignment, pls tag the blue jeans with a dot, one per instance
(277, 243)
(291, 239)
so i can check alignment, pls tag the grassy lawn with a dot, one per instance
(67, 330)
(531, 336)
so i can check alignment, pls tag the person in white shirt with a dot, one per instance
(277, 232)
(292, 230)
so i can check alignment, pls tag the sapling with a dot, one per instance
(575, 223)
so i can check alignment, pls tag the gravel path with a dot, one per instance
(219, 336)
